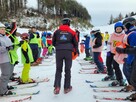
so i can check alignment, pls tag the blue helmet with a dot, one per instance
(44, 33)
(118, 24)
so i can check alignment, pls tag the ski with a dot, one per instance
(89, 73)
(23, 99)
(97, 90)
(37, 80)
(95, 86)
(23, 86)
(15, 94)
(89, 68)
(109, 98)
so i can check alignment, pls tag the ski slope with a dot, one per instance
(81, 90)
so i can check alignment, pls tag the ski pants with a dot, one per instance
(35, 53)
(25, 73)
(6, 72)
(66, 56)
(133, 74)
(87, 52)
(110, 61)
(98, 60)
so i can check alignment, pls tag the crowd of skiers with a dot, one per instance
(121, 49)
(31, 45)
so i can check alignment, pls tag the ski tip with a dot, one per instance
(92, 86)
(36, 92)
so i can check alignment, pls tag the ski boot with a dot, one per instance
(29, 81)
(118, 83)
(67, 90)
(128, 88)
(97, 71)
(14, 78)
(10, 87)
(56, 90)
(7, 93)
(34, 64)
(107, 78)
(132, 97)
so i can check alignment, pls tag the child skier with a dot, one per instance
(27, 58)
(87, 47)
(97, 45)
(44, 45)
(115, 37)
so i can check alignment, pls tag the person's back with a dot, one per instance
(64, 40)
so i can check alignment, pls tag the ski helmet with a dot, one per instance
(128, 22)
(66, 21)
(118, 24)
(95, 30)
(24, 36)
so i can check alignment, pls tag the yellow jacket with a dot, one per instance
(106, 37)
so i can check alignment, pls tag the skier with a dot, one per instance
(27, 58)
(44, 45)
(11, 33)
(49, 42)
(106, 37)
(115, 37)
(97, 45)
(129, 68)
(5, 65)
(33, 42)
(64, 40)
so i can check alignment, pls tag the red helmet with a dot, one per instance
(24, 36)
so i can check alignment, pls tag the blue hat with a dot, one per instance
(118, 24)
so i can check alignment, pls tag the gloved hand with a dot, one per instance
(108, 53)
(120, 50)
(2, 49)
(27, 60)
(10, 48)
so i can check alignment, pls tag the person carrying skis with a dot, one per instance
(129, 67)
(97, 45)
(26, 59)
(5, 65)
(115, 38)
(64, 40)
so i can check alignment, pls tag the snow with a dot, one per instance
(81, 91)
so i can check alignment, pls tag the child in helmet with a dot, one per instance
(115, 38)
(87, 48)
(97, 45)
(26, 58)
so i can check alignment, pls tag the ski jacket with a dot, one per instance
(5, 42)
(65, 38)
(131, 41)
(97, 43)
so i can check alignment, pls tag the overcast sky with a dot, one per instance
(101, 10)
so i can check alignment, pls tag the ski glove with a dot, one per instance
(120, 50)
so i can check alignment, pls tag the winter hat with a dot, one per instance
(2, 25)
(118, 24)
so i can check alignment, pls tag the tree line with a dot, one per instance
(120, 17)
(54, 9)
